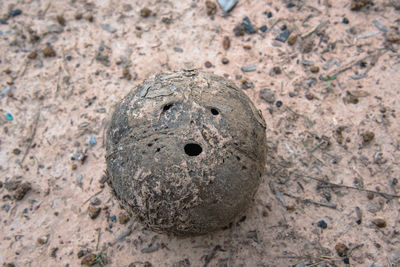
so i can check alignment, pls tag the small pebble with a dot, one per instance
(367, 137)
(267, 95)
(61, 20)
(346, 261)
(3, 21)
(48, 51)
(109, 28)
(123, 218)
(314, 69)
(283, 36)
(283, 27)
(227, 5)
(345, 20)
(81, 253)
(350, 99)
(341, 249)
(21, 190)
(322, 224)
(90, 18)
(247, 84)
(247, 26)
(92, 141)
(292, 39)
(208, 64)
(225, 61)
(93, 212)
(32, 55)
(309, 96)
(380, 223)
(226, 43)
(247, 46)
(16, 151)
(14, 12)
(268, 14)
(126, 74)
(53, 252)
(178, 49)
(249, 68)
(145, 12)
(290, 5)
(279, 104)
(277, 70)
(79, 178)
(43, 239)
(74, 166)
(263, 28)
(211, 8)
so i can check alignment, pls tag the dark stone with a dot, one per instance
(268, 14)
(14, 12)
(345, 21)
(81, 253)
(283, 36)
(181, 161)
(322, 224)
(290, 5)
(279, 104)
(247, 26)
(263, 28)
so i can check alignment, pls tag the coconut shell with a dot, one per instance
(186, 152)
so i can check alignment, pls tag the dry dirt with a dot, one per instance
(333, 139)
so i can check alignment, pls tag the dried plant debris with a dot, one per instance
(357, 5)
(185, 149)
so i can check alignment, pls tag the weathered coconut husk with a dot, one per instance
(186, 152)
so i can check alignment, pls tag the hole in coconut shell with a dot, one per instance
(214, 111)
(192, 149)
(167, 107)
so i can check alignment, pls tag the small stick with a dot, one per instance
(317, 146)
(273, 25)
(91, 197)
(328, 205)
(387, 195)
(98, 238)
(35, 123)
(315, 29)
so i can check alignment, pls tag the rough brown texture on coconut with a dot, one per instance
(185, 152)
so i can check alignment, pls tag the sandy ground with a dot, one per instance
(334, 143)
